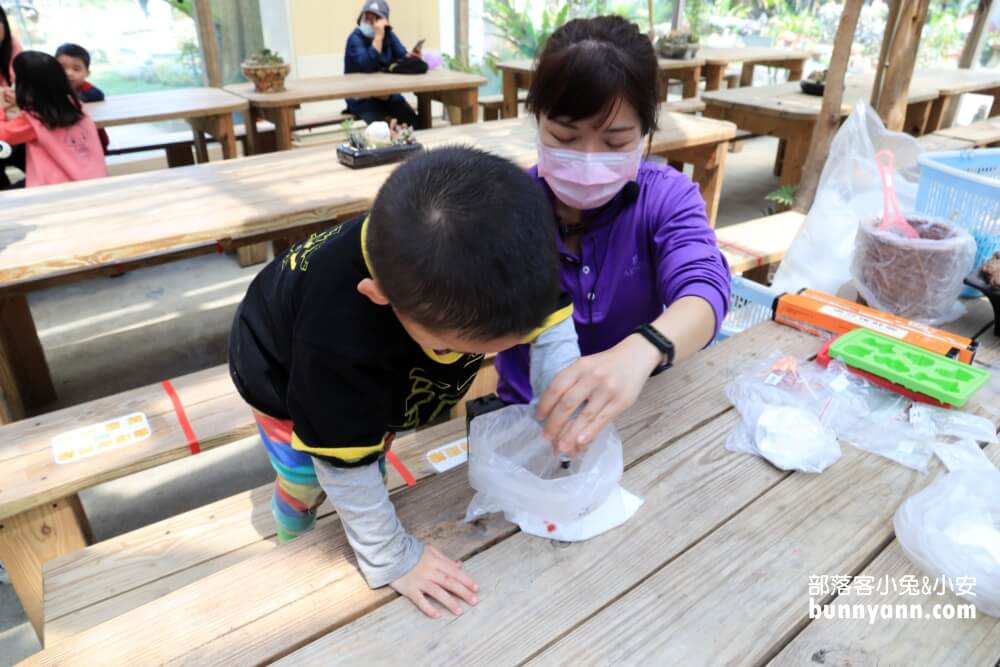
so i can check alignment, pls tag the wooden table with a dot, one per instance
(69, 232)
(451, 88)
(517, 75)
(718, 59)
(981, 134)
(784, 111)
(207, 110)
(951, 85)
(715, 568)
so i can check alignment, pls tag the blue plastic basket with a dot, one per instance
(750, 303)
(963, 187)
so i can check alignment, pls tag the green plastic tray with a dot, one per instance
(929, 373)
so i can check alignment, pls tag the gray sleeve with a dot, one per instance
(554, 349)
(384, 549)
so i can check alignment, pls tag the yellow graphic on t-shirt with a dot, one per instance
(429, 399)
(297, 258)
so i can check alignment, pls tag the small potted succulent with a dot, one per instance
(267, 70)
(677, 45)
(379, 143)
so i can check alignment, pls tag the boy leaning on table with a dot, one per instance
(380, 325)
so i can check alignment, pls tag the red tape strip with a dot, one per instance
(400, 468)
(193, 443)
(749, 252)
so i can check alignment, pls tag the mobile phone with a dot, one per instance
(420, 44)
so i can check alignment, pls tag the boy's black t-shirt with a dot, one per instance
(308, 347)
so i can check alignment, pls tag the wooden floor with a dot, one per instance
(714, 568)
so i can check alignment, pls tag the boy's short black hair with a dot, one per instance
(588, 65)
(74, 51)
(462, 240)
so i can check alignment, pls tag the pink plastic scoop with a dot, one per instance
(892, 216)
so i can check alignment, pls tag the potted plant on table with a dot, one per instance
(677, 45)
(267, 70)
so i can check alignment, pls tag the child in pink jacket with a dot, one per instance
(61, 140)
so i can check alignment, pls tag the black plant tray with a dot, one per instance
(355, 159)
(992, 294)
(812, 87)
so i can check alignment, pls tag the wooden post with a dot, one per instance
(652, 31)
(887, 37)
(206, 40)
(974, 42)
(675, 24)
(829, 116)
(29, 539)
(897, 71)
(973, 45)
(462, 31)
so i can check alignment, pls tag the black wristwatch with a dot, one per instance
(661, 343)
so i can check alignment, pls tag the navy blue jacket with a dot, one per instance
(361, 56)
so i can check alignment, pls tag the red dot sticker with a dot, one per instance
(551, 527)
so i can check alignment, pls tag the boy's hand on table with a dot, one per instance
(605, 384)
(438, 577)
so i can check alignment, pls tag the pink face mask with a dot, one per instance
(587, 180)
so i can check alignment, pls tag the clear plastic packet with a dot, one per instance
(954, 423)
(951, 529)
(791, 412)
(514, 470)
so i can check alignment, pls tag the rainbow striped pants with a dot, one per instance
(297, 493)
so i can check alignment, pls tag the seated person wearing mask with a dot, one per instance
(372, 47)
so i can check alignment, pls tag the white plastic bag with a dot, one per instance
(849, 191)
(514, 470)
(952, 528)
(919, 279)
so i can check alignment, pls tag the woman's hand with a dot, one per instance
(380, 26)
(605, 384)
(8, 99)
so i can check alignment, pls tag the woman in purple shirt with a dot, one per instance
(648, 282)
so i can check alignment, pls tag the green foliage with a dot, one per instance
(941, 36)
(518, 30)
(185, 7)
(695, 14)
(803, 24)
(265, 57)
(783, 196)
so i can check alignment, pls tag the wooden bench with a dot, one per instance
(41, 517)
(492, 105)
(751, 247)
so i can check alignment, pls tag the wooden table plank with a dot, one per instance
(183, 103)
(79, 227)
(31, 477)
(739, 595)
(898, 641)
(534, 591)
(238, 616)
(115, 576)
(317, 89)
(979, 134)
(786, 100)
(755, 54)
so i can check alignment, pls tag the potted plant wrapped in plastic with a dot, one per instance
(267, 70)
(379, 143)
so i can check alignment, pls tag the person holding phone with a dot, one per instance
(372, 47)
